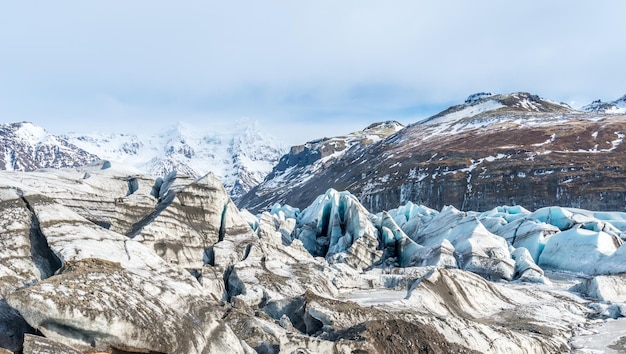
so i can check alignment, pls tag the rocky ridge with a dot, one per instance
(492, 150)
(97, 258)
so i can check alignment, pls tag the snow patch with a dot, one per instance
(467, 112)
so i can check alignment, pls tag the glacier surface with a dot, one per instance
(102, 257)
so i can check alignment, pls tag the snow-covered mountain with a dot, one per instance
(104, 259)
(26, 147)
(489, 151)
(240, 156)
(614, 107)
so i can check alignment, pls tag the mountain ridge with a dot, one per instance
(500, 149)
(305, 161)
(240, 156)
(245, 157)
(26, 147)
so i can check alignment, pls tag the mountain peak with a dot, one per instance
(477, 96)
(390, 124)
(614, 107)
(524, 101)
(26, 147)
(307, 160)
(29, 132)
(486, 105)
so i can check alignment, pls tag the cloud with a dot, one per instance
(348, 62)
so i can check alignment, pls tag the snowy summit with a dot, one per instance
(613, 107)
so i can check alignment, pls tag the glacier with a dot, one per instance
(104, 257)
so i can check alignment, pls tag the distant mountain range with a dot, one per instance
(241, 156)
(493, 149)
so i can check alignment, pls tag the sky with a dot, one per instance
(301, 69)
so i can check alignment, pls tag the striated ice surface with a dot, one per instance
(113, 260)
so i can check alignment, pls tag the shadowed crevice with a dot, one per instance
(41, 254)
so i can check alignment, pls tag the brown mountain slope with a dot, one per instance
(502, 149)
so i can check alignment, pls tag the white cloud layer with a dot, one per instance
(118, 65)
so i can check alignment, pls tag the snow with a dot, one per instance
(525, 103)
(614, 107)
(239, 155)
(615, 143)
(467, 112)
(32, 134)
(616, 110)
(551, 140)
(376, 298)
(8, 158)
(601, 338)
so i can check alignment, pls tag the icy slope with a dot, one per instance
(240, 155)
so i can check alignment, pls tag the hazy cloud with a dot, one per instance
(325, 64)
